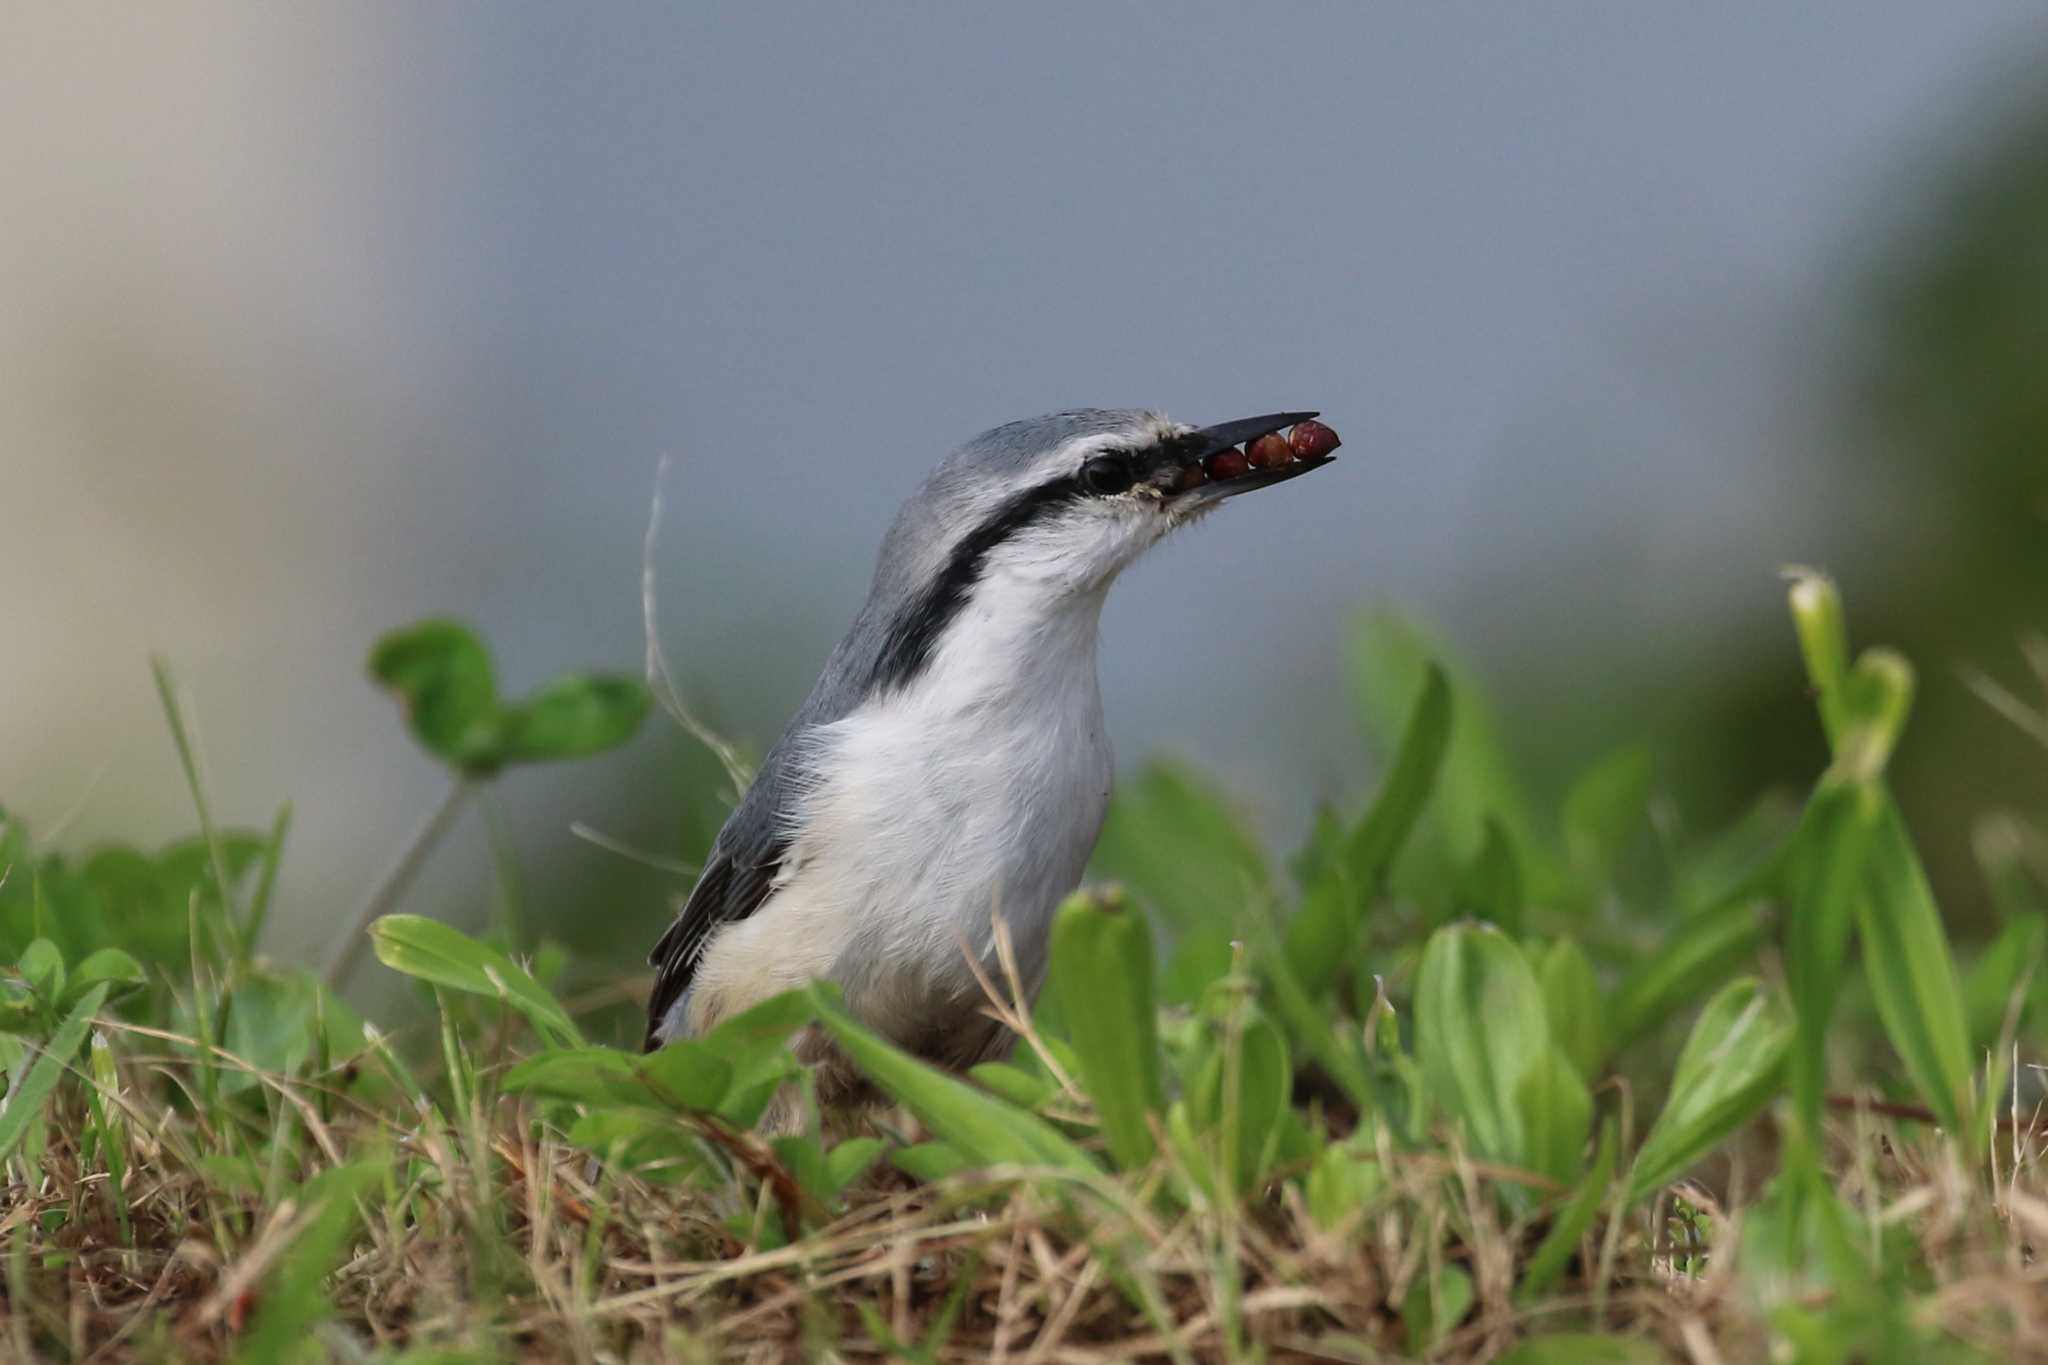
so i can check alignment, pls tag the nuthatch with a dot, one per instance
(950, 766)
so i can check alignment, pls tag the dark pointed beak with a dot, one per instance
(1247, 429)
(1207, 441)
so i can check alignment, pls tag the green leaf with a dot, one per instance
(687, 1075)
(1491, 886)
(1102, 969)
(929, 1163)
(1435, 1305)
(1823, 632)
(1199, 956)
(647, 1141)
(1320, 933)
(1575, 1006)
(1243, 1124)
(985, 1130)
(42, 966)
(582, 1075)
(274, 1019)
(847, 1162)
(1025, 1089)
(1871, 715)
(441, 674)
(1730, 1068)
(1906, 956)
(1585, 1348)
(432, 951)
(1557, 1114)
(1476, 781)
(1338, 1051)
(1607, 808)
(1323, 851)
(2001, 972)
(803, 1158)
(1572, 1223)
(1913, 977)
(1379, 837)
(2007, 849)
(1739, 861)
(1172, 840)
(755, 1043)
(572, 717)
(25, 1105)
(110, 965)
(1694, 959)
(1800, 1238)
(1825, 878)
(1480, 1030)
(1344, 1179)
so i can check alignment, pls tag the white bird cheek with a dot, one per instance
(1085, 549)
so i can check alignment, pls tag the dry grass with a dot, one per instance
(491, 1235)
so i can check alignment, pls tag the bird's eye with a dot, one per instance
(1106, 475)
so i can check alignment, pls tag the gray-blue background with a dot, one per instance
(317, 320)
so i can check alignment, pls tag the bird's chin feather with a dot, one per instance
(1186, 510)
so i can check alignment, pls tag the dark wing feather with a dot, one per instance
(737, 877)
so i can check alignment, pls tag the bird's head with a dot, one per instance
(1060, 504)
(1074, 497)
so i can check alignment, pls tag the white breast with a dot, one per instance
(978, 790)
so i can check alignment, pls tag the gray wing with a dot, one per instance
(749, 851)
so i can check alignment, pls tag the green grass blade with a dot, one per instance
(1570, 1226)
(1694, 959)
(25, 1105)
(296, 1298)
(2000, 972)
(266, 874)
(1379, 836)
(232, 922)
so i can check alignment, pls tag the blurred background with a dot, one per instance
(315, 321)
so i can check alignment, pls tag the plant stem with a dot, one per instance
(387, 891)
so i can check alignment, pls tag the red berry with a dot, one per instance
(1227, 463)
(1191, 476)
(1312, 440)
(1269, 451)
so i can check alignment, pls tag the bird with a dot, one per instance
(951, 764)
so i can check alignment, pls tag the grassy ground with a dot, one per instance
(1463, 1080)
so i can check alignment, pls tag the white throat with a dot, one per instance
(1016, 641)
(976, 789)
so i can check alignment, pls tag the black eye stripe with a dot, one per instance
(915, 632)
